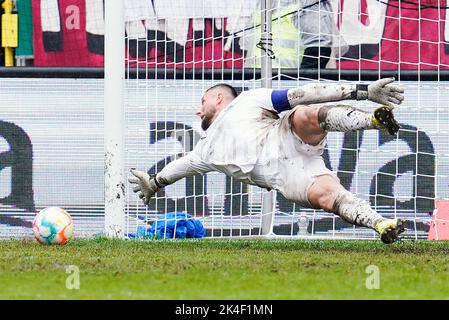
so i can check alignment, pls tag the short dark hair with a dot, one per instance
(226, 86)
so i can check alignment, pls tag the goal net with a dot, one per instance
(178, 49)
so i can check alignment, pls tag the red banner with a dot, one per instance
(413, 38)
(60, 37)
(204, 49)
(407, 36)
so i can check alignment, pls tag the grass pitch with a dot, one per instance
(221, 270)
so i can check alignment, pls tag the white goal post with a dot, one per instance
(114, 77)
(268, 197)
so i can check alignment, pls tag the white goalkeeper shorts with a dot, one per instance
(289, 165)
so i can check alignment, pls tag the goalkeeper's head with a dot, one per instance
(214, 100)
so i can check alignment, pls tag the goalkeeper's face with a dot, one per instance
(209, 108)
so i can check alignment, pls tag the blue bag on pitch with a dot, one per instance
(173, 225)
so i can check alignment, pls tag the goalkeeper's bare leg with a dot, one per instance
(311, 124)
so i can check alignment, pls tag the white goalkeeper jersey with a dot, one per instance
(237, 135)
(233, 142)
(236, 138)
(249, 132)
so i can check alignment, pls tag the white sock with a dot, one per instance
(355, 210)
(344, 118)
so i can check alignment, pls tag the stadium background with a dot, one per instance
(47, 139)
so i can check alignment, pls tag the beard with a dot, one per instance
(205, 123)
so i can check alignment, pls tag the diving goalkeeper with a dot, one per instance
(245, 137)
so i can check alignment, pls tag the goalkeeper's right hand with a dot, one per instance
(146, 185)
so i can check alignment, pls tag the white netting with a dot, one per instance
(400, 176)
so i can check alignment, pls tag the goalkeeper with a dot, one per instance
(245, 137)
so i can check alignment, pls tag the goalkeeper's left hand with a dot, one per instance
(381, 91)
(146, 185)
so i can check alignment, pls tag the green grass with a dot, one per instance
(220, 269)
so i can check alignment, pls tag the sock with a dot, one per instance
(343, 118)
(355, 210)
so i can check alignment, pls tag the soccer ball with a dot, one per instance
(53, 225)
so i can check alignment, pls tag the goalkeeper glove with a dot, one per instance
(380, 91)
(146, 185)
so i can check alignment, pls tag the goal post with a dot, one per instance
(268, 197)
(114, 115)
